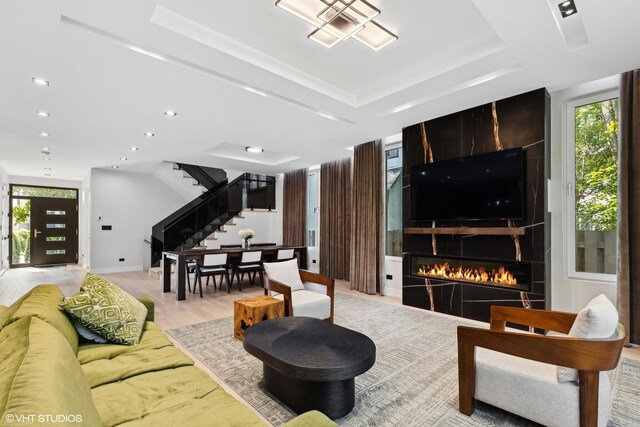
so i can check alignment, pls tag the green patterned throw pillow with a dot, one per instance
(107, 310)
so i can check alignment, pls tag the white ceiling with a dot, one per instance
(243, 73)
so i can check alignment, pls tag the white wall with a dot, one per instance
(175, 180)
(568, 294)
(131, 203)
(85, 222)
(393, 267)
(4, 219)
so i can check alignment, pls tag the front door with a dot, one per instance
(54, 231)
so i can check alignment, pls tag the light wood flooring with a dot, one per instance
(169, 312)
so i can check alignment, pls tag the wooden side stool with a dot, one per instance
(251, 311)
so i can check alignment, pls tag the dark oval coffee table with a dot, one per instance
(310, 363)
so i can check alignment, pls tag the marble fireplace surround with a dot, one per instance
(521, 121)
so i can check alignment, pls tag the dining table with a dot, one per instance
(180, 258)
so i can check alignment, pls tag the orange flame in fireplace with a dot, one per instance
(501, 276)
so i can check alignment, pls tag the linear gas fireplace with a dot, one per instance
(502, 274)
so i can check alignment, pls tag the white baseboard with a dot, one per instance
(393, 291)
(117, 269)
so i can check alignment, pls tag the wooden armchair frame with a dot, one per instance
(588, 356)
(306, 276)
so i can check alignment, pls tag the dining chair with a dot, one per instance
(191, 269)
(213, 265)
(250, 262)
(285, 254)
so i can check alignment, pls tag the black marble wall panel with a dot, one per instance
(523, 121)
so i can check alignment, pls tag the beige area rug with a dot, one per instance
(414, 379)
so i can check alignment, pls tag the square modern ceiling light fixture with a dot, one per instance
(339, 20)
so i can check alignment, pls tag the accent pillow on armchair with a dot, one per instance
(285, 272)
(598, 319)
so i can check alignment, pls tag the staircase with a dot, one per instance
(211, 211)
(207, 177)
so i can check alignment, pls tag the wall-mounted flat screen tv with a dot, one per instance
(482, 187)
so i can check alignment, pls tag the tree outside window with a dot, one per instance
(596, 186)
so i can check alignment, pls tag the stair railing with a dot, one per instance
(207, 213)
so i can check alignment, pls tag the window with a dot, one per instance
(56, 251)
(313, 212)
(592, 184)
(393, 202)
(27, 191)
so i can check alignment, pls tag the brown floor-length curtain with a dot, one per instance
(335, 218)
(629, 205)
(294, 216)
(367, 231)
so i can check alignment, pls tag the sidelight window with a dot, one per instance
(313, 211)
(393, 201)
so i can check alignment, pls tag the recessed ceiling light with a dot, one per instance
(44, 134)
(47, 169)
(133, 148)
(39, 81)
(149, 134)
(47, 174)
(46, 158)
(254, 150)
(43, 114)
(567, 8)
(170, 113)
(115, 166)
(45, 150)
(123, 158)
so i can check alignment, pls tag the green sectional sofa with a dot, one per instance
(50, 377)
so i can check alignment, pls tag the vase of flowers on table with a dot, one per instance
(246, 235)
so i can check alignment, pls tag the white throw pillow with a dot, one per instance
(285, 272)
(599, 319)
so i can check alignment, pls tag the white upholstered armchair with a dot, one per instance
(304, 293)
(558, 379)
